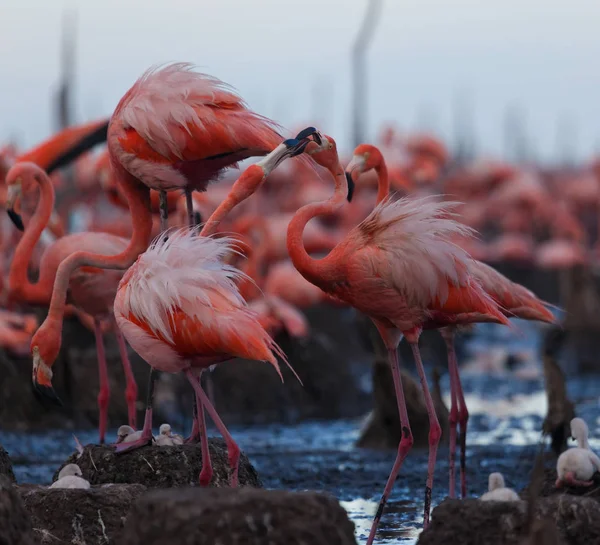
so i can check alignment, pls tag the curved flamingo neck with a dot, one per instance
(244, 186)
(582, 441)
(18, 280)
(383, 182)
(138, 197)
(317, 271)
(256, 256)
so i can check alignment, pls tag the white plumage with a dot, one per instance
(578, 463)
(416, 235)
(181, 270)
(497, 491)
(70, 476)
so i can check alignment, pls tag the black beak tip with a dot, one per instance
(16, 219)
(197, 218)
(309, 131)
(46, 395)
(350, 186)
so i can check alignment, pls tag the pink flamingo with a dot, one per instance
(513, 299)
(93, 290)
(180, 309)
(397, 267)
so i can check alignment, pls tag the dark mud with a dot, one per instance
(250, 516)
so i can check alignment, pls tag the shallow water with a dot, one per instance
(506, 416)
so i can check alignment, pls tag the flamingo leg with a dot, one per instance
(406, 442)
(463, 413)
(164, 211)
(209, 385)
(104, 394)
(435, 431)
(131, 389)
(232, 449)
(448, 336)
(146, 437)
(207, 471)
(190, 208)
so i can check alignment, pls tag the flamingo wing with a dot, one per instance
(177, 117)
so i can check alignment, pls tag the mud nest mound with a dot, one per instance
(79, 516)
(549, 489)
(159, 467)
(237, 516)
(6, 466)
(572, 520)
(15, 524)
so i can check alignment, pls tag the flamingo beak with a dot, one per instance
(42, 380)
(350, 186)
(14, 191)
(356, 167)
(197, 218)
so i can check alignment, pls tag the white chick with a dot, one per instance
(497, 491)
(70, 476)
(576, 466)
(126, 434)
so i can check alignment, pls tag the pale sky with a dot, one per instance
(541, 54)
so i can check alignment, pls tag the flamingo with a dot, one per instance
(396, 267)
(180, 309)
(513, 299)
(93, 290)
(70, 476)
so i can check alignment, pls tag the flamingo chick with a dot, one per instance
(497, 491)
(576, 466)
(126, 434)
(166, 437)
(180, 309)
(70, 476)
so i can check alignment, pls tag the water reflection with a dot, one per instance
(405, 528)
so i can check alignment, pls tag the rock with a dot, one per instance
(576, 521)
(6, 466)
(79, 516)
(382, 428)
(15, 524)
(159, 467)
(237, 516)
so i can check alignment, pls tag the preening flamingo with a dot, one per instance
(92, 290)
(175, 129)
(397, 267)
(180, 309)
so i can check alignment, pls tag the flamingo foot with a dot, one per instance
(194, 436)
(570, 480)
(133, 445)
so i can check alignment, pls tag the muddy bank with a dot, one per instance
(79, 516)
(245, 516)
(15, 523)
(6, 469)
(574, 520)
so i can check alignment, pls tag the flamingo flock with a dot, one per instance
(192, 267)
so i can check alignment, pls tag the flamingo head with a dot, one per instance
(323, 150)
(14, 184)
(165, 429)
(123, 432)
(45, 346)
(365, 158)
